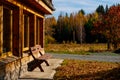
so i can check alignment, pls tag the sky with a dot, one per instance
(70, 6)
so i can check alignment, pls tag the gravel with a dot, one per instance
(93, 57)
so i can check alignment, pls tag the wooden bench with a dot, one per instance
(39, 57)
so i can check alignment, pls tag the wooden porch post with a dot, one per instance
(1, 28)
(41, 33)
(21, 26)
(15, 40)
(35, 29)
(17, 31)
(32, 31)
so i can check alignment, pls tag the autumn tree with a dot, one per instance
(50, 23)
(112, 25)
(79, 21)
(70, 28)
(109, 26)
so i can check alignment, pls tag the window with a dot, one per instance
(8, 23)
(26, 30)
(7, 30)
(37, 31)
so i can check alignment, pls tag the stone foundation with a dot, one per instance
(11, 68)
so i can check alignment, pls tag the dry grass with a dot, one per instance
(75, 48)
(88, 70)
(84, 70)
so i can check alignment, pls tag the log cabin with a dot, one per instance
(21, 26)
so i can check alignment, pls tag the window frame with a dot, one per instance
(2, 8)
(28, 28)
(37, 30)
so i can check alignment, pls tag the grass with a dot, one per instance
(84, 49)
(87, 70)
(84, 70)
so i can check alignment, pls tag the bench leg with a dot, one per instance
(46, 63)
(41, 69)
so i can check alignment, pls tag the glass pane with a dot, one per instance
(26, 31)
(37, 31)
(6, 30)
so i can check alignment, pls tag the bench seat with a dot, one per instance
(39, 57)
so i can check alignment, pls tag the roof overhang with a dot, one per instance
(49, 3)
(44, 6)
(38, 5)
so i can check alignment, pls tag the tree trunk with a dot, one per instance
(108, 45)
(73, 36)
(115, 45)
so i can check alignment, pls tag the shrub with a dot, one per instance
(49, 40)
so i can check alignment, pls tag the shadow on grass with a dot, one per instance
(113, 74)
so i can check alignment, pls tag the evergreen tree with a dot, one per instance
(82, 11)
(100, 9)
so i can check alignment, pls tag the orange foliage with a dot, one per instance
(88, 70)
(109, 24)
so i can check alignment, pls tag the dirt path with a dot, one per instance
(95, 57)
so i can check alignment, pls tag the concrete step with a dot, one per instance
(48, 73)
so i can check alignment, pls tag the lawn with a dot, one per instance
(87, 70)
(84, 70)
(84, 49)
